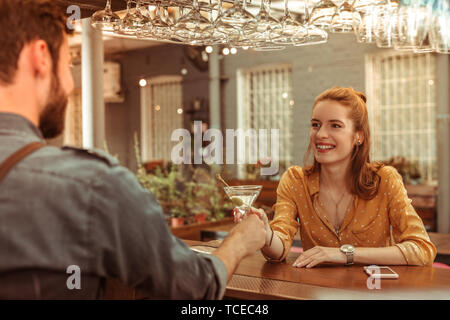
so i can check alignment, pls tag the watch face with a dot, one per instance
(347, 248)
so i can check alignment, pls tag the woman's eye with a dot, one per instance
(335, 125)
(315, 125)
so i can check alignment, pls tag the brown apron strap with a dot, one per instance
(17, 156)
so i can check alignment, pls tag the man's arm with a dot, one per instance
(244, 239)
(131, 241)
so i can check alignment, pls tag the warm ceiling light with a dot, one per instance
(157, 108)
(180, 111)
(225, 51)
(233, 50)
(142, 82)
(209, 49)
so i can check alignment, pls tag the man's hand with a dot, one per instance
(250, 232)
(244, 239)
(261, 214)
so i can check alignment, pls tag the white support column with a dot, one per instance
(443, 143)
(93, 105)
(214, 89)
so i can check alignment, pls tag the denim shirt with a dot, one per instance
(62, 207)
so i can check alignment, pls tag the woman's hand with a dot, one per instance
(312, 257)
(261, 214)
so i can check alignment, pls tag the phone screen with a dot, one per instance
(381, 272)
(385, 270)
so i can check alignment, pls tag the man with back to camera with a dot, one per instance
(62, 207)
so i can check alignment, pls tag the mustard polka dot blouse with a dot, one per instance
(386, 220)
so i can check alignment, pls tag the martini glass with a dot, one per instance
(193, 27)
(243, 196)
(106, 19)
(221, 30)
(292, 31)
(315, 35)
(263, 29)
(160, 29)
(237, 16)
(342, 20)
(134, 23)
(322, 14)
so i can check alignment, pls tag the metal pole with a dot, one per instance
(93, 105)
(214, 89)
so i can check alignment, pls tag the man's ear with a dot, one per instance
(40, 58)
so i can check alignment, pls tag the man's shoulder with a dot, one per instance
(90, 155)
(74, 162)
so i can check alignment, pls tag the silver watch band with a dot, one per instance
(349, 258)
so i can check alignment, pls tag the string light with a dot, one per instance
(142, 82)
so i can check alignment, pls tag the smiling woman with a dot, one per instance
(348, 209)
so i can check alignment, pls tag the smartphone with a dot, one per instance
(381, 272)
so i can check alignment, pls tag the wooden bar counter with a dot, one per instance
(255, 278)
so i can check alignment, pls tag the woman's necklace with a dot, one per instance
(337, 228)
(337, 203)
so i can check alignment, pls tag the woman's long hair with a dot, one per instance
(364, 177)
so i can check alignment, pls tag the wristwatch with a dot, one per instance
(348, 250)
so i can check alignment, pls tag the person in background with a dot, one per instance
(346, 208)
(72, 209)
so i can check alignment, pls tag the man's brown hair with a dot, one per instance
(22, 21)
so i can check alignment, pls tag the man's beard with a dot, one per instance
(52, 118)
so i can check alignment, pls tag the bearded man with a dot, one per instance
(73, 210)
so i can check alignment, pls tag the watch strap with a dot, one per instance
(349, 258)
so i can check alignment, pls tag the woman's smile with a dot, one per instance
(325, 147)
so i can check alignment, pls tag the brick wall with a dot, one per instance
(123, 119)
(340, 62)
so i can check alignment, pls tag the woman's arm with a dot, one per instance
(380, 256)
(408, 231)
(274, 248)
(282, 229)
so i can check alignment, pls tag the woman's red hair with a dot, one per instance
(364, 177)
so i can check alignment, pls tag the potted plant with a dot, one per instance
(197, 201)
(177, 216)
(409, 170)
(200, 214)
(191, 195)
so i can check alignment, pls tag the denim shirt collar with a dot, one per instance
(17, 125)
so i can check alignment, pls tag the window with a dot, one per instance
(73, 128)
(265, 102)
(161, 113)
(402, 108)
